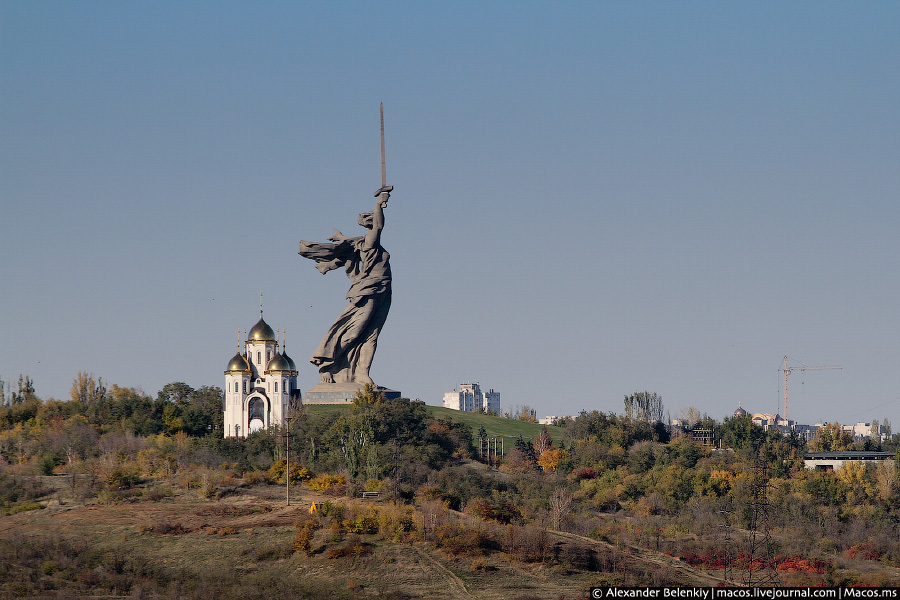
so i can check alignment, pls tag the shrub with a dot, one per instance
(501, 512)
(20, 507)
(298, 473)
(164, 528)
(275, 552)
(353, 547)
(207, 487)
(364, 523)
(331, 510)
(121, 477)
(325, 481)
(863, 550)
(459, 540)
(480, 564)
(396, 524)
(46, 464)
(585, 473)
(254, 477)
(158, 492)
(303, 539)
(531, 544)
(114, 496)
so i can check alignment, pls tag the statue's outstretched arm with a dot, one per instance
(373, 238)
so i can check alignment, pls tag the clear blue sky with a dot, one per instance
(591, 199)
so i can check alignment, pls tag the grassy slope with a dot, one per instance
(249, 547)
(509, 429)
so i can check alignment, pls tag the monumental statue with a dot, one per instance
(345, 355)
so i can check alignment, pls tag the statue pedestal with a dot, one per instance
(341, 393)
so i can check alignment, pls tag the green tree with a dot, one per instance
(742, 433)
(528, 453)
(172, 418)
(178, 392)
(831, 437)
(641, 457)
(86, 390)
(354, 434)
(25, 392)
(202, 411)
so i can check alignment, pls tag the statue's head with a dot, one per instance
(366, 220)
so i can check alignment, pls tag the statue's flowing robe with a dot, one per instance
(356, 329)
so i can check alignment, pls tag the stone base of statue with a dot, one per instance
(341, 393)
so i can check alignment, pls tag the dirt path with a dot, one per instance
(457, 582)
(654, 559)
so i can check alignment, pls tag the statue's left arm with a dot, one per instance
(328, 256)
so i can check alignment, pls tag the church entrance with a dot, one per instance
(257, 410)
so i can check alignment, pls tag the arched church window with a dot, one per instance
(276, 387)
(245, 387)
(235, 386)
(258, 357)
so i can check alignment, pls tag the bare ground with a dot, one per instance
(252, 530)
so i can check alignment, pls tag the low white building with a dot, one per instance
(550, 419)
(832, 461)
(470, 398)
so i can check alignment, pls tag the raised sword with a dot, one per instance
(384, 186)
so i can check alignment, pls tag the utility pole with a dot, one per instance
(287, 462)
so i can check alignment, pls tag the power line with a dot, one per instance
(874, 408)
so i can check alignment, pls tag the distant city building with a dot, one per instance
(859, 431)
(260, 384)
(550, 419)
(767, 421)
(806, 432)
(470, 398)
(832, 461)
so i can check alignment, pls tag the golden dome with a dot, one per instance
(289, 360)
(278, 363)
(238, 363)
(261, 332)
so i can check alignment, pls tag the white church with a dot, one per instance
(260, 384)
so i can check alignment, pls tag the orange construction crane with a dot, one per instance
(787, 371)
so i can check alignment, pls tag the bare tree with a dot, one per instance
(644, 406)
(543, 441)
(560, 506)
(690, 416)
